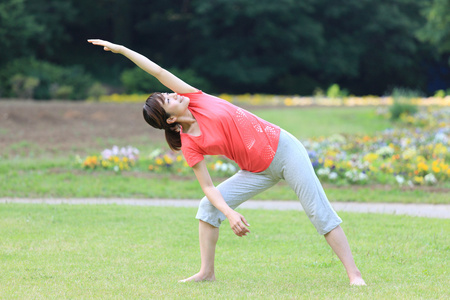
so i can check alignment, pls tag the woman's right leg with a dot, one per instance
(236, 190)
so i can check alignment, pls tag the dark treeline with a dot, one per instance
(233, 46)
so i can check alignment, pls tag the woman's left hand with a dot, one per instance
(107, 46)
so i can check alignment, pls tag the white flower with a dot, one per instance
(362, 176)
(430, 179)
(232, 168)
(323, 171)
(116, 169)
(333, 176)
(441, 137)
(400, 179)
(115, 150)
(106, 154)
(224, 167)
(385, 151)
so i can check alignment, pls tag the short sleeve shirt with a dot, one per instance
(230, 131)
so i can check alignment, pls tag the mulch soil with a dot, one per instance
(56, 125)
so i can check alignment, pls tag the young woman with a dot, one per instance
(200, 124)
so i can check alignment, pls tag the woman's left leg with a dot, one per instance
(299, 174)
(338, 242)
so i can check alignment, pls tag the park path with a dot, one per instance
(419, 210)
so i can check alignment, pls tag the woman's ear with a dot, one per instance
(171, 120)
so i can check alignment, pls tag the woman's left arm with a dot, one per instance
(237, 221)
(165, 77)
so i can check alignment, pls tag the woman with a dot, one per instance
(200, 124)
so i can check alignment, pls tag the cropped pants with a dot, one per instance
(291, 163)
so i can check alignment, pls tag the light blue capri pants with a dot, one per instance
(291, 163)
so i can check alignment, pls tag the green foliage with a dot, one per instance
(136, 80)
(17, 28)
(23, 86)
(402, 102)
(239, 46)
(334, 91)
(96, 90)
(436, 31)
(439, 94)
(43, 80)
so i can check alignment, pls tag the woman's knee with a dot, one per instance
(208, 213)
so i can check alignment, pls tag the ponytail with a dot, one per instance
(157, 117)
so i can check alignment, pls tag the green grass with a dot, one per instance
(116, 252)
(325, 121)
(59, 178)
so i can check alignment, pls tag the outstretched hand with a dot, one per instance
(238, 224)
(107, 46)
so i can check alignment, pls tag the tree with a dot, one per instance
(17, 29)
(436, 31)
(250, 45)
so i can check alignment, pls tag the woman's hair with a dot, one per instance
(156, 116)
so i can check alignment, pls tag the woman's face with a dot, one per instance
(174, 104)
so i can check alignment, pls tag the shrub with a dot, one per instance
(138, 81)
(96, 91)
(402, 102)
(334, 91)
(23, 86)
(53, 81)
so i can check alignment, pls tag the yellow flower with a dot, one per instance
(115, 159)
(439, 149)
(288, 102)
(328, 163)
(168, 160)
(422, 167)
(159, 161)
(420, 159)
(418, 179)
(436, 169)
(179, 158)
(370, 157)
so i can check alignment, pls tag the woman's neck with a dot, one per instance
(187, 121)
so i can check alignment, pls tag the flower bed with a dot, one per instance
(279, 100)
(416, 152)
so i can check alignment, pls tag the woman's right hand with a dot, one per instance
(107, 46)
(238, 223)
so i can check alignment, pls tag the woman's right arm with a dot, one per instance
(237, 221)
(165, 77)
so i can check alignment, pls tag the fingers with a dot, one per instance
(245, 221)
(240, 230)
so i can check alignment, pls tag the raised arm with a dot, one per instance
(165, 77)
(237, 221)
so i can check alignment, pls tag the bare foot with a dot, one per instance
(199, 277)
(357, 281)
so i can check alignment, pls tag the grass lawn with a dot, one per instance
(110, 251)
(325, 121)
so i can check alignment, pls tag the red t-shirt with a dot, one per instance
(230, 131)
